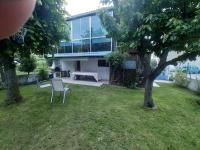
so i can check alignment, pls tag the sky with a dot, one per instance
(75, 7)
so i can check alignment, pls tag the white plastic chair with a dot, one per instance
(58, 86)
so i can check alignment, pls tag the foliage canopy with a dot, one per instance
(155, 27)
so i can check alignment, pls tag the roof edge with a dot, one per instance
(88, 13)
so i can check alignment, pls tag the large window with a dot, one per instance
(68, 47)
(97, 29)
(86, 45)
(76, 29)
(85, 27)
(103, 63)
(62, 47)
(81, 28)
(77, 46)
(81, 46)
(101, 44)
(87, 35)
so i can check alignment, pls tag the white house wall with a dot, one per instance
(68, 65)
(92, 66)
(88, 65)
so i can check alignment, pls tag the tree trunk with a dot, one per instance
(148, 78)
(13, 92)
(7, 61)
(3, 80)
(148, 100)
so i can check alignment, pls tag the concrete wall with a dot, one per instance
(68, 65)
(87, 65)
(24, 79)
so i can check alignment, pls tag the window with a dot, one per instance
(76, 29)
(68, 47)
(81, 46)
(86, 45)
(61, 50)
(62, 47)
(86, 36)
(97, 29)
(85, 27)
(77, 46)
(101, 44)
(103, 63)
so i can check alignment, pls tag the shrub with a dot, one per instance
(116, 62)
(181, 79)
(115, 59)
(43, 74)
(129, 80)
(27, 64)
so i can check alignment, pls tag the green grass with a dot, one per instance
(107, 118)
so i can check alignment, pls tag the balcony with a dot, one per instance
(87, 38)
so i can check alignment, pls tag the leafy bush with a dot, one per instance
(43, 74)
(181, 79)
(130, 78)
(115, 59)
(27, 64)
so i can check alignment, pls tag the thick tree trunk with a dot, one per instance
(13, 92)
(7, 61)
(2, 74)
(148, 79)
(148, 100)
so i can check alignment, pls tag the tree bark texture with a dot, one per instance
(13, 92)
(2, 74)
(148, 99)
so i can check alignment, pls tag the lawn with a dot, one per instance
(106, 118)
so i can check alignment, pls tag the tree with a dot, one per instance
(45, 29)
(27, 64)
(155, 27)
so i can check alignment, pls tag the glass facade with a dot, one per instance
(76, 29)
(68, 47)
(65, 47)
(86, 45)
(87, 35)
(101, 44)
(80, 46)
(97, 28)
(85, 27)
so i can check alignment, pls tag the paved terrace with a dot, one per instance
(81, 82)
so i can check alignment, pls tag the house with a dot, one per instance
(87, 47)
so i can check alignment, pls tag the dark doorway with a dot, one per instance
(78, 66)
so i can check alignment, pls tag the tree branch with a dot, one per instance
(183, 57)
(163, 63)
